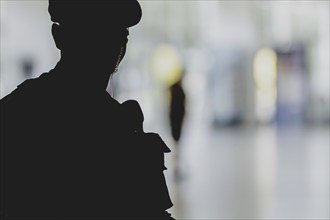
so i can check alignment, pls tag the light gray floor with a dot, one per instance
(260, 172)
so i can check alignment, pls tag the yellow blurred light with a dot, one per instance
(166, 63)
(266, 98)
(265, 70)
(265, 77)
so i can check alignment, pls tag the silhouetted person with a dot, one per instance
(176, 115)
(27, 67)
(68, 149)
(177, 109)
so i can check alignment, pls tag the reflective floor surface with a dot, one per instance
(264, 172)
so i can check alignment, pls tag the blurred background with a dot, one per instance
(251, 87)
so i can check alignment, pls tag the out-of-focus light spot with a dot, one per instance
(265, 71)
(265, 76)
(166, 63)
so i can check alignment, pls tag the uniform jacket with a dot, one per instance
(68, 154)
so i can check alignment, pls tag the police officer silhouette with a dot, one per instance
(68, 149)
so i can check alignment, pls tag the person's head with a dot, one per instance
(93, 32)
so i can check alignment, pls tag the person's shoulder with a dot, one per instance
(24, 91)
(21, 92)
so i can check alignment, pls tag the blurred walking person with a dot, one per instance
(177, 114)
